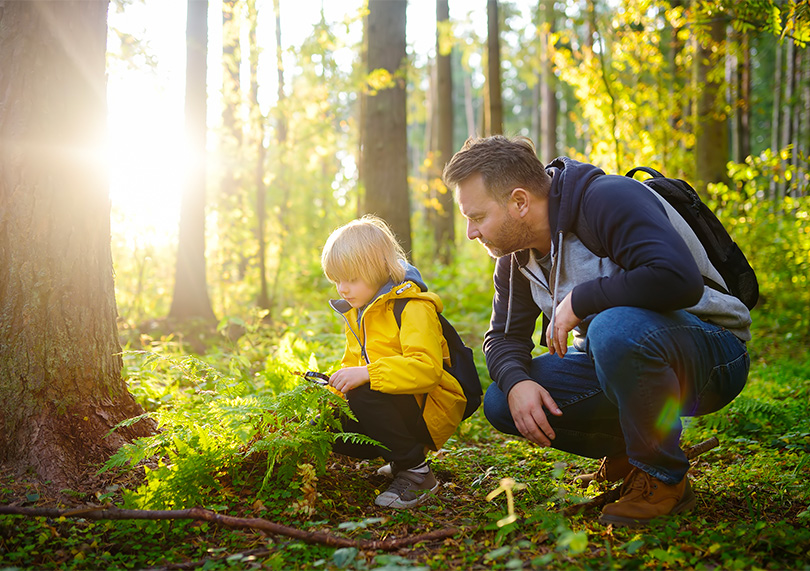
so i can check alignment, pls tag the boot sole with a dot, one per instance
(687, 503)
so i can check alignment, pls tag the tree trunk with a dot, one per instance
(257, 120)
(444, 227)
(494, 122)
(231, 94)
(777, 107)
(787, 108)
(469, 110)
(231, 142)
(745, 93)
(804, 130)
(60, 366)
(385, 152)
(190, 300)
(282, 181)
(548, 85)
(711, 143)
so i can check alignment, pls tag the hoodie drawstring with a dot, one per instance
(556, 264)
(509, 299)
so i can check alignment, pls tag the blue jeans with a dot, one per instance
(626, 387)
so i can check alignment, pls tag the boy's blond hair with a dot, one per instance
(366, 249)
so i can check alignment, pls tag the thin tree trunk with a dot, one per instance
(444, 226)
(798, 114)
(231, 93)
(787, 109)
(711, 142)
(385, 148)
(494, 123)
(548, 83)
(469, 110)
(61, 389)
(777, 107)
(804, 135)
(283, 181)
(258, 129)
(190, 299)
(745, 91)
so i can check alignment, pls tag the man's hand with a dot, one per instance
(526, 402)
(349, 378)
(564, 321)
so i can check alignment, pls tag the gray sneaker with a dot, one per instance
(408, 489)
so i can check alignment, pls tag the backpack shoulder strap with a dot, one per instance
(399, 307)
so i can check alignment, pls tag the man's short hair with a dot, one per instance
(503, 163)
(365, 248)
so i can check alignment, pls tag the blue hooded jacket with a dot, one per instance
(648, 257)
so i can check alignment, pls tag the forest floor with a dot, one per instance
(753, 506)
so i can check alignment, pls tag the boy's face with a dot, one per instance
(357, 292)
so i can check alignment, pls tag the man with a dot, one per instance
(651, 343)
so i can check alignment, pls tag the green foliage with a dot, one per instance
(214, 427)
(775, 235)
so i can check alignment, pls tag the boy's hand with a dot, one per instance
(349, 378)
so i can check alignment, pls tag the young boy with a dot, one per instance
(392, 376)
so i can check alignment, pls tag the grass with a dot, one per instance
(753, 493)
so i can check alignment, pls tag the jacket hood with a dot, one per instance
(411, 275)
(569, 179)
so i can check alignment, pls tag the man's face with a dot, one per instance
(489, 222)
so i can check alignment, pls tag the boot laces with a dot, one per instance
(640, 481)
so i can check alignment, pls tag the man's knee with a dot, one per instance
(617, 330)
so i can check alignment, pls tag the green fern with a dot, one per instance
(214, 425)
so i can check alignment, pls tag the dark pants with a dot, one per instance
(627, 390)
(392, 420)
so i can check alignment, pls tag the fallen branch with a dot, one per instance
(613, 494)
(199, 514)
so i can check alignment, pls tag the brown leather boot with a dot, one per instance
(645, 497)
(612, 469)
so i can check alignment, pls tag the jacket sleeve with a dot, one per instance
(419, 368)
(633, 228)
(508, 343)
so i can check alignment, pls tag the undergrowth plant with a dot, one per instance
(219, 431)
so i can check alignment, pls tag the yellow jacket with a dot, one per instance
(407, 360)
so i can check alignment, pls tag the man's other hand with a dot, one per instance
(564, 321)
(527, 401)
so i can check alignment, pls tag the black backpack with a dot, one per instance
(723, 252)
(462, 367)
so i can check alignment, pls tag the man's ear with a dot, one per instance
(520, 198)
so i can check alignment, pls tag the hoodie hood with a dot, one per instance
(569, 179)
(411, 275)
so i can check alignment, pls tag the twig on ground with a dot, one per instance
(613, 494)
(200, 514)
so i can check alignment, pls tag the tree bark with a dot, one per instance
(788, 115)
(711, 143)
(777, 107)
(190, 299)
(494, 122)
(444, 226)
(548, 86)
(61, 389)
(385, 152)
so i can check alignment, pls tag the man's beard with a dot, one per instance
(513, 235)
